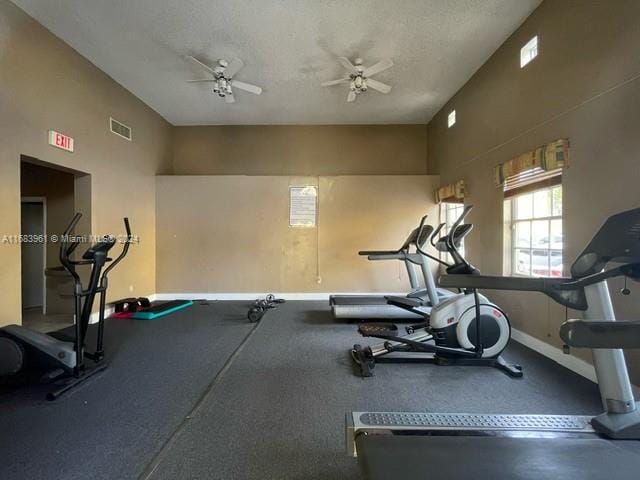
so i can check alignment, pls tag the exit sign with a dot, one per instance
(60, 140)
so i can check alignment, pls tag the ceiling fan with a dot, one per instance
(222, 78)
(359, 78)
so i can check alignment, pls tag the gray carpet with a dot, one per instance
(113, 426)
(278, 411)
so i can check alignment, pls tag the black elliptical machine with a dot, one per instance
(58, 357)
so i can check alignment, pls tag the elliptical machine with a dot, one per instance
(450, 334)
(58, 356)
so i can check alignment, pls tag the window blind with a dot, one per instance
(532, 179)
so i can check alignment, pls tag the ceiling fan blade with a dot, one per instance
(229, 99)
(379, 86)
(378, 67)
(207, 80)
(336, 82)
(199, 63)
(234, 67)
(351, 97)
(246, 86)
(346, 63)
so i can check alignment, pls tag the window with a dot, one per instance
(451, 119)
(534, 221)
(529, 51)
(449, 213)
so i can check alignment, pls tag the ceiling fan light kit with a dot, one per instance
(359, 78)
(222, 79)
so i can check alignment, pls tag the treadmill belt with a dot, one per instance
(384, 456)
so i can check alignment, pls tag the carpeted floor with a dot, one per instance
(275, 412)
(278, 412)
(111, 427)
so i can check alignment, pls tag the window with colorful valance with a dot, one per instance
(546, 158)
(453, 193)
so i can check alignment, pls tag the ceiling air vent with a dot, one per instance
(120, 129)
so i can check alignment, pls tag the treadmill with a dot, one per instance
(375, 307)
(445, 446)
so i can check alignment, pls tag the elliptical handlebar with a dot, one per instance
(458, 259)
(66, 250)
(421, 229)
(450, 242)
(125, 249)
(435, 233)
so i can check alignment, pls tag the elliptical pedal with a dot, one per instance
(377, 329)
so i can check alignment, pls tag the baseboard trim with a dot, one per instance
(108, 311)
(253, 296)
(570, 362)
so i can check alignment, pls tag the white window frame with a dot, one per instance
(511, 247)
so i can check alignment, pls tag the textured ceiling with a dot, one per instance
(289, 48)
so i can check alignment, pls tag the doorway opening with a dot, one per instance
(50, 195)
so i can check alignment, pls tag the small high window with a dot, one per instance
(529, 51)
(451, 119)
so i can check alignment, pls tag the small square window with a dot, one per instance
(451, 119)
(529, 51)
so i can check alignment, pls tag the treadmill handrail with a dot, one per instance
(565, 290)
(366, 253)
(601, 334)
(573, 298)
(413, 239)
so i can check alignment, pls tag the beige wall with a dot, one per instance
(231, 233)
(300, 150)
(585, 86)
(44, 84)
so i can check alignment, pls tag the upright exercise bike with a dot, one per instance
(451, 334)
(57, 356)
